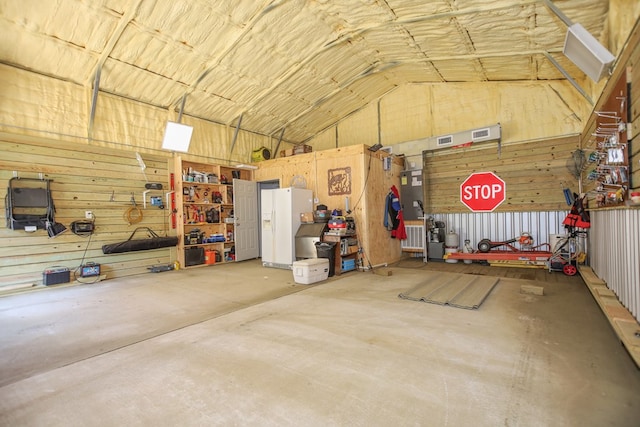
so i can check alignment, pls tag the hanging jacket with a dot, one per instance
(390, 212)
(400, 231)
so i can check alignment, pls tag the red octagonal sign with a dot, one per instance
(483, 191)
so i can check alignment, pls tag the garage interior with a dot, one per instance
(351, 102)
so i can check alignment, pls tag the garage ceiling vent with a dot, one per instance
(465, 138)
(480, 134)
(445, 140)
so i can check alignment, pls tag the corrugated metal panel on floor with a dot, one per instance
(614, 242)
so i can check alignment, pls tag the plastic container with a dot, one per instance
(209, 257)
(327, 250)
(308, 271)
(348, 264)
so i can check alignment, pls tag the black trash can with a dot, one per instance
(327, 250)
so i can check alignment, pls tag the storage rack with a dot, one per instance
(204, 210)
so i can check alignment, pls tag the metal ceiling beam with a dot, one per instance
(122, 25)
(184, 101)
(235, 135)
(279, 141)
(553, 8)
(94, 103)
(569, 78)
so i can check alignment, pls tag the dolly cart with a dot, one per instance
(564, 256)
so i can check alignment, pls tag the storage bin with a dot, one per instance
(310, 271)
(348, 264)
(193, 256)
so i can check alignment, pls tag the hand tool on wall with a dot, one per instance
(172, 187)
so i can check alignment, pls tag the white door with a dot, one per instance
(245, 212)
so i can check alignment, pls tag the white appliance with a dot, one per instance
(280, 210)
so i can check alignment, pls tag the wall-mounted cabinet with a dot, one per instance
(207, 211)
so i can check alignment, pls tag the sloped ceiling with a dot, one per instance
(293, 64)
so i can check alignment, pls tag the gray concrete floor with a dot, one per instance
(239, 344)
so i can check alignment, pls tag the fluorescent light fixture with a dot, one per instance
(243, 166)
(177, 137)
(587, 53)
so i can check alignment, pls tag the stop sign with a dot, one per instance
(483, 191)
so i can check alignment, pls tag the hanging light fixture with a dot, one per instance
(587, 53)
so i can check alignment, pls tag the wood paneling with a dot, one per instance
(85, 178)
(633, 77)
(369, 187)
(534, 173)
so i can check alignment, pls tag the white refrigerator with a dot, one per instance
(280, 210)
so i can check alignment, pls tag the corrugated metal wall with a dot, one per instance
(614, 242)
(502, 226)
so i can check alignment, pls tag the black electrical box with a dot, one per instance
(56, 275)
(82, 227)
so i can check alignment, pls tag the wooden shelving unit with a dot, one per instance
(343, 251)
(204, 212)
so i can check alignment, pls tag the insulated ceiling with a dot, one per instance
(293, 64)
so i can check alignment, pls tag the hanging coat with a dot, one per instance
(394, 211)
(390, 212)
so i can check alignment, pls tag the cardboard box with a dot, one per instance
(306, 217)
(298, 149)
(308, 271)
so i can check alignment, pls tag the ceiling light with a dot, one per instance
(177, 137)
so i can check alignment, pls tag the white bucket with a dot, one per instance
(451, 251)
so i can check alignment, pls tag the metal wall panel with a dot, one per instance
(502, 226)
(614, 242)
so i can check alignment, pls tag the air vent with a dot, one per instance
(445, 140)
(480, 134)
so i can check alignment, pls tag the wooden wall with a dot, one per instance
(633, 77)
(628, 67)
(370, 184)
(84, 178)
(534, 173)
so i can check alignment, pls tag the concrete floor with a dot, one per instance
(240, 344)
